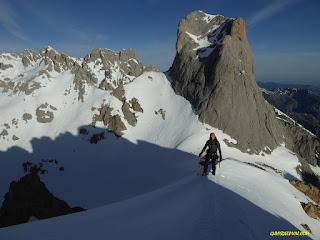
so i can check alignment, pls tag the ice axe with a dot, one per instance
(220, 162)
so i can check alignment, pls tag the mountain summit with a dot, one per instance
(214, 70)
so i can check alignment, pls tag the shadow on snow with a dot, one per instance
(185, 206)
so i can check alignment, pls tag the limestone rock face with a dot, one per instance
(214, 70)
(299, 140)
(43, 113)
(5, 66)
(102, 68)
(198, 24)
(60, 62)
(128, 115)
(149, 68)
(113, 122)
(28, 57)
(120, 67)
(311, 210)
(136, 105)
(309, 190)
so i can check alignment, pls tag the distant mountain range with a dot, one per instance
(300, 104)
(273, 85)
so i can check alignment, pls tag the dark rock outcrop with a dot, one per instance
(30, 197)
(118, 92)
(5, 66)
(15, 138)
(133, 104)
(38, 168)
(307, 189)
(113, 122)
(136, 105)
(161, 112)
(43, 114)
(127, 114)
(306, 227)
(26, 117)
(95, 138)
(311, 210)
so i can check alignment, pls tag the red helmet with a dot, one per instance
(212, 135)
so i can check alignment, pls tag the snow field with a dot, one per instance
(144, 184)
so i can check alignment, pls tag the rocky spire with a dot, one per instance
(214, 70)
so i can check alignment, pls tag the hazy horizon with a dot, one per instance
(293, 80)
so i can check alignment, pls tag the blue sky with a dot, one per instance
(283, 34)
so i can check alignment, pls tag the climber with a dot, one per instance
(213, 145)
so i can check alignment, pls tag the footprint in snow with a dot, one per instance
(243, 188)
(225, 176)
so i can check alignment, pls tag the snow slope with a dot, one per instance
(144, 184)
(235, 204)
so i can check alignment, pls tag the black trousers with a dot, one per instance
(207, 162)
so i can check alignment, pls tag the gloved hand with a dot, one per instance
(220, 159)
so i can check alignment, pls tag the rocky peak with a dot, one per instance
(29, 58)
(198, 26)
(126, 61)
(60, 62)
(117, 67)
(102, 68)
(149, 68)
(48, 51)
(127, 54)
(214, 70)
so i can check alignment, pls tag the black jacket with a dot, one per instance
(213, 146)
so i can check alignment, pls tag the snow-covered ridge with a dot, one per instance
(282, 116)
(286, 91)
(102, 68)
(278, 91)
(286, 118)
